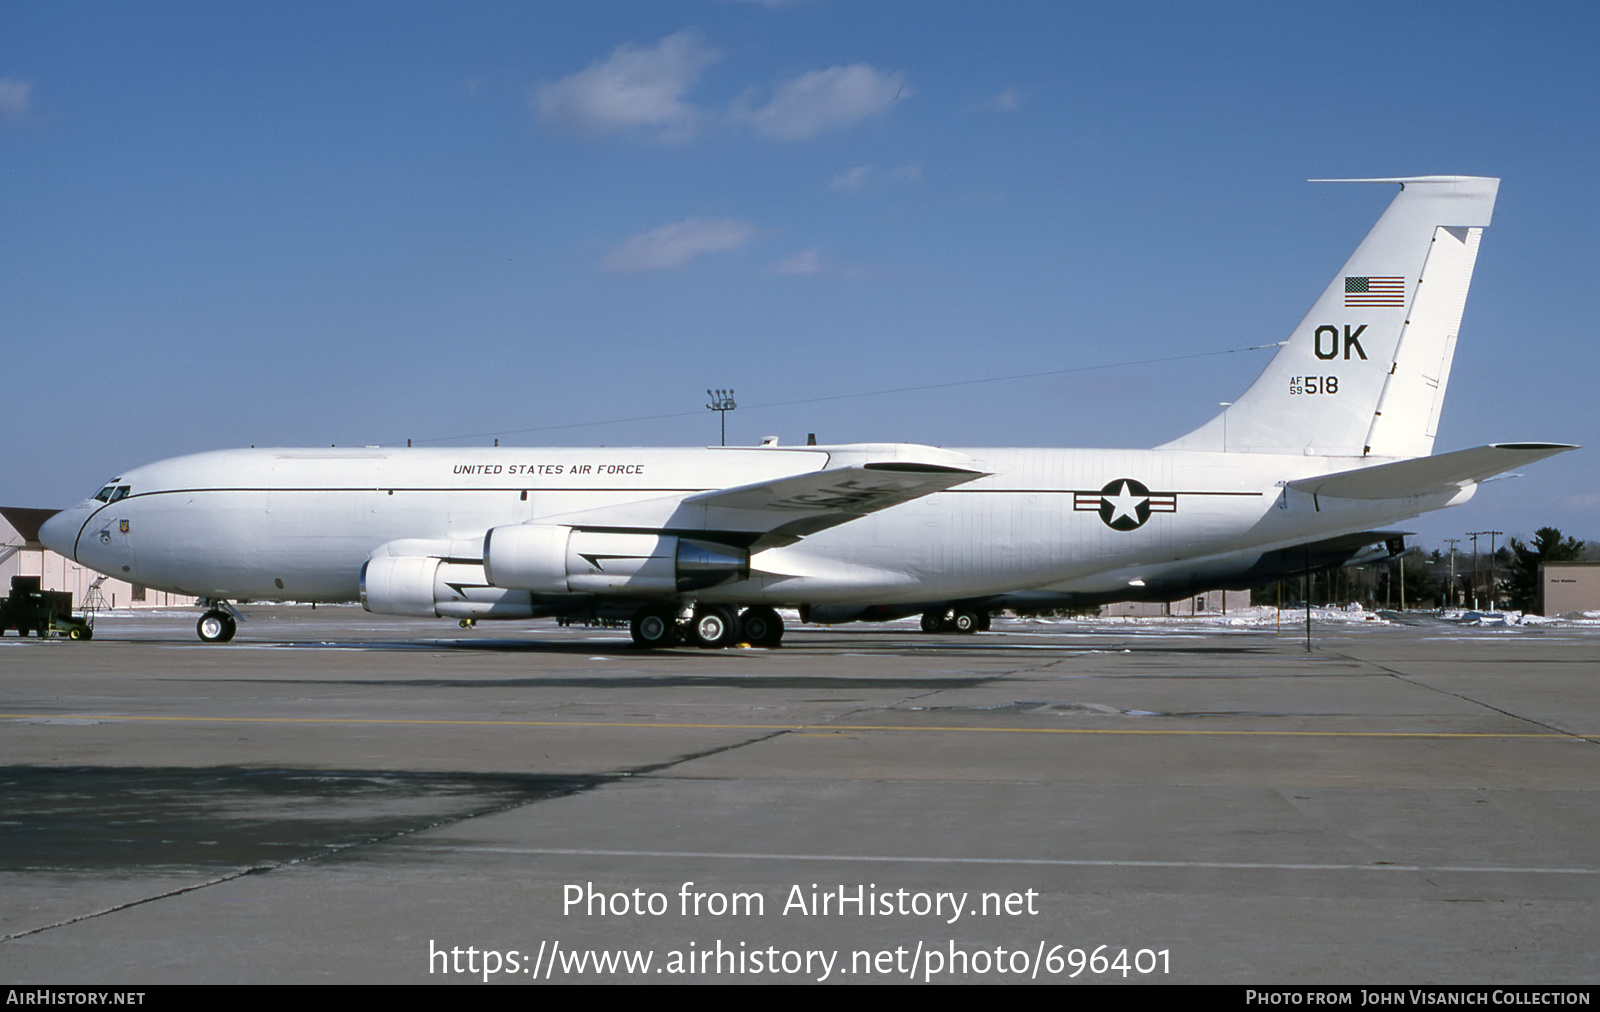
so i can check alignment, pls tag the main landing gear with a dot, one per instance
(712, 627)
(654, 626)
(762, 626)
(962, 620)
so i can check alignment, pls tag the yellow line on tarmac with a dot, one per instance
(819, 728)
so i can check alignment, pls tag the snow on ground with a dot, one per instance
(1487, 618)
(1254, 617)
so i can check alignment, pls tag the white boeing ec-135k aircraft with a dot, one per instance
(1332, 442)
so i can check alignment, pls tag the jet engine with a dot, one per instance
(426, 587)
(547, 558)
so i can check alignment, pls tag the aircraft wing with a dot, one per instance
(1405, 479)
(786, 509)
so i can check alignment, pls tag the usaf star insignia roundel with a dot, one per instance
(1125, 504)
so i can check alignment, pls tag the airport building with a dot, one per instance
(1211, 602)
(1566, 587)
(21, 554)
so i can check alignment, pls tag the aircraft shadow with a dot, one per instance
(240, 820)
(762, 682)
(89, 818)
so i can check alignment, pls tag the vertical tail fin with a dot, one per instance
(1365, 372)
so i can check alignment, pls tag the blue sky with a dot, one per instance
(283, 224)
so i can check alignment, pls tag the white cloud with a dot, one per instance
(673, 246)
(811, 263)
(861, 176)
(633, 88)
(853, 180)
(14, 96)
(802, 263)
(1009, 100)
(825, 100)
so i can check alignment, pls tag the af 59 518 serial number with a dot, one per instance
(1313, 385)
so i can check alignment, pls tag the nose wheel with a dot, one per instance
(216, 627)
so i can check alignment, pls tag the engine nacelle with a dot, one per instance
(427, 587)
(551, 559)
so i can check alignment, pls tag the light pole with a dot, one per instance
(1474, 535)
(722, 402)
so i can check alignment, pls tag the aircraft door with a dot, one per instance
(522, 505)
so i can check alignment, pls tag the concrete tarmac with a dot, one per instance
(341, 797)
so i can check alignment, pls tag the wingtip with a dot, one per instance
(1552, 447)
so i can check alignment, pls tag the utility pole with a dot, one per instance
(1474, 536)
(722, 403)
(1450, 597)
(1493, 604)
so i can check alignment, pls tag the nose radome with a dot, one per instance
(57, 534)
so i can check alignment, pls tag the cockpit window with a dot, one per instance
(111, 493)
(104, 495)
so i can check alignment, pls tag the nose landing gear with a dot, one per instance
(219, 623)
(216, 627)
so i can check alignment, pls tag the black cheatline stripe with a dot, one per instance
(399, 488)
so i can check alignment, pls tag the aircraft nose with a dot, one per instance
(58, 533)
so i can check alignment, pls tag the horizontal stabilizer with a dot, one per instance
(1406, 479)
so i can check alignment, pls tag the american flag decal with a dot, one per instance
(1374, 292)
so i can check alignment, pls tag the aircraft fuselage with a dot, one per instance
(300, 523)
